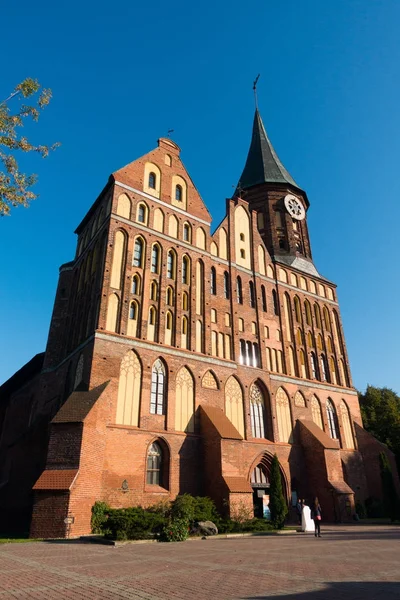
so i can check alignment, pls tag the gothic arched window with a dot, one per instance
(138, 252)
(263, 299)
(186, 232)
(239, 293)
(136, 284)
(157, 395)
(170, 296)
(252, 296)
(171, 265)
(213, 281)
(332, 420)
(178, 193)
(226, 286)
(314, 366)
(257, 410)
(152, 180)
(275, 302)
(154, 465)
(185, 270)
(155, 258)
(154, 291)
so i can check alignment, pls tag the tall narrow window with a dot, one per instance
(257, 409)
(154, 465)
(317, 313)
(152, 315)
(242, 357)
(314, 366)
(157, 395)
(155, 258)
(154, 291)
(138, 253)
(252, 296)
(133, 311)
(332, 420)
(136, 284)
(263, 299)
(327, 321)
(297, 309)
(168, 328)
(184, 333)
(324, 368)
(185, 270)
(226, 286)
(213, 281)
(185, 301)
(141, 213)
(171, 265)
(275, 302)
(308, 312)
(170, 296)
(186, 232)
(239, 293)
(178, 193)
(255, 355)
(152, 181)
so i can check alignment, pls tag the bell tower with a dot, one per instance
(280, 203)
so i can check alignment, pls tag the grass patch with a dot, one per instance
(16, 539)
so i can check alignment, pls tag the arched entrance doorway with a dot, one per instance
(260, 483)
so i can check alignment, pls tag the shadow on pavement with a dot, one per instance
(349, 590)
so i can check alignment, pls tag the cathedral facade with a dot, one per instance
(181, 360)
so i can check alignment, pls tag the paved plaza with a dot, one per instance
(352, 563)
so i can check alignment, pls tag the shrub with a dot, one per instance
(183, 507)
(134, 523)
(204, 509)
(176, 530)
(100, 512)
(277, 503)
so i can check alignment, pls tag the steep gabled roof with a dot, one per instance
(262, 164)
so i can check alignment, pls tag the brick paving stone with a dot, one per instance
(350, 563)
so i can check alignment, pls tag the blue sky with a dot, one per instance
(123, 73)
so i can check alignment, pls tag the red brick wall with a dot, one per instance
(50, 508)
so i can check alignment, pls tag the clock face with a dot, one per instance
(294, 207)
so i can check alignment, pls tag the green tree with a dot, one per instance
(14, 185)
(390, 498)
(380, 409)
(277, 502)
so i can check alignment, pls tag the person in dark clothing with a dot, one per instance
(299, 510)
(316, 515)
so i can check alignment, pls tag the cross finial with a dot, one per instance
(239, 190)
(255, 89)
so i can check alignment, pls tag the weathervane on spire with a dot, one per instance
(255, 90)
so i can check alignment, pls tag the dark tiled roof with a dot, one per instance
(221, 422)
(21, 377)
(320, 435)
(78, 405)
(238, 485)
(56, 479)
(341, 487)
(262, 164)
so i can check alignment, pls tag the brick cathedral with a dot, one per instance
(180, 360)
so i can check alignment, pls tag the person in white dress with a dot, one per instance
(307, 523)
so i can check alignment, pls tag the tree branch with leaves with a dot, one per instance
(15, 187)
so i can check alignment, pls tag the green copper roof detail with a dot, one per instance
(262, 164)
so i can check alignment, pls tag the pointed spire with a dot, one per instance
(262, 164)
